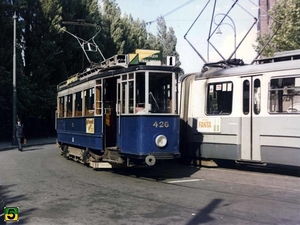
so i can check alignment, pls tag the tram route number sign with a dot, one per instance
(161, 124)
(11, 214)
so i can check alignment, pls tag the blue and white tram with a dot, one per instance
(246, 113)
(119, 114)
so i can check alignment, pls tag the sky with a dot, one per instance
(181, 14)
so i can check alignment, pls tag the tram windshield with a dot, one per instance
(160, 93)
(154, 93)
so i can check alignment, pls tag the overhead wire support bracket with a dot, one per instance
(211, 34)
(91, 44)
(231, 60)
(191, 28)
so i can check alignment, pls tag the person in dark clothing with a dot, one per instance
(19, 134)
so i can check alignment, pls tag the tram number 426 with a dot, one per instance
(161, 124)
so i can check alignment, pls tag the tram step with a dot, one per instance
(100, 165)
(114, 148)
(105, 165)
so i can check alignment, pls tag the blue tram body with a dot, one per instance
(139, 134)
(119, 114)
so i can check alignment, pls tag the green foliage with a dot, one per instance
(287, 18)
(123, 34)
(166, 40)
(46, 55)
(6, 68)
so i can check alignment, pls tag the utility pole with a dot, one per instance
(14, 141)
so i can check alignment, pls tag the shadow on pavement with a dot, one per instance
(31, 149)
(11, 201)
(203, 216)
(159, 172)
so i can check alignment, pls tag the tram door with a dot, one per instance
(109, 114)
(250, 123)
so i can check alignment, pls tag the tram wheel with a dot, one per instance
(86, 156)
(65, 151)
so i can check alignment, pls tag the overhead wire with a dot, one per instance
(172, 11)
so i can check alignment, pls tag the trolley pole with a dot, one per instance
(14, 141)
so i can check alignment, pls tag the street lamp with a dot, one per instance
(219, 32)
(14, 141)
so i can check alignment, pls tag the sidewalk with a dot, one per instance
(6, 145)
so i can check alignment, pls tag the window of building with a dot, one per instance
(219, 98)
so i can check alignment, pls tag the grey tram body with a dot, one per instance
(261, 125)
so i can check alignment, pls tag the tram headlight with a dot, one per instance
(161, 141)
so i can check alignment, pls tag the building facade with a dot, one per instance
(265, 20)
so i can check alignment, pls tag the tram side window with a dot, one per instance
(69, 105)
(78, 103)
(160, 92)
(219, 98)
(123, 103)
(140, 93)
(131, 99)
(98, 97)
(257, 96)
(284, 95)
(61, 108)
(246, 97)
(127, 94)
(89, 101)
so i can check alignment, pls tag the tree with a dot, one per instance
(7, 10)
(166, 41)
(47, 56)
(122, 34)
(286, 16)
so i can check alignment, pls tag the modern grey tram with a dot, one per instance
(248, 113)
(119, 113)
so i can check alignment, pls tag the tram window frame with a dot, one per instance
(219, 98)
(161, 92)
(69, 105)
(123, 97)
(140, 93)
(126, 93)
(98, 101)
(89, 101)
(246, 97)
(257, 96)
(78, 103)
(61, 107)
(283, 94)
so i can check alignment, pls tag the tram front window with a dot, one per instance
(160, 92)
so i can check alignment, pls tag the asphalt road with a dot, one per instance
(48, 189)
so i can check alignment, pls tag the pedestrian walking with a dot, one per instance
(20, 134)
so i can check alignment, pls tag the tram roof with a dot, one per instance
(99, 72)
(253, 69)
